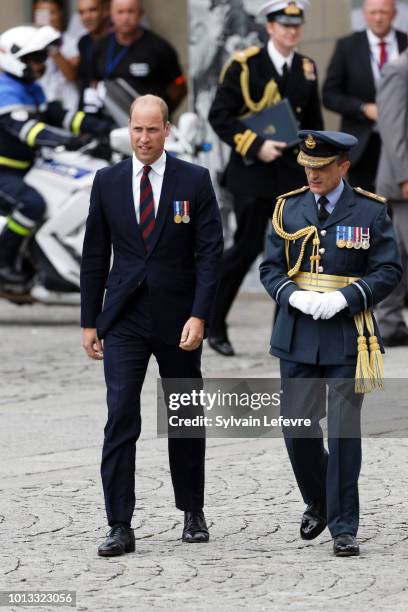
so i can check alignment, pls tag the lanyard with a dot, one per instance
(112, 61)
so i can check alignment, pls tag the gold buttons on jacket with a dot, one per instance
(323, 232)
(321, 268)
(322, 251)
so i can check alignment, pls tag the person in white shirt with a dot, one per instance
(351, 84)
(60, 79)
(160, 217)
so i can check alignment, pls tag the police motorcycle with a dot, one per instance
(64, 179)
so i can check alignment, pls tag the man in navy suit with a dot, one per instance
(161, 218)
(331, 256)
(353, 74)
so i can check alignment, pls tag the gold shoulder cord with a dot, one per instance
(271, 93)
(270, 96)
(306, 233)
(240, 56)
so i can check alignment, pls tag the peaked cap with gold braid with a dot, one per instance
(319, 148)
(285, 12)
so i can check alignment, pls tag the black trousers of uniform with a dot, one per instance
(364, 172)
(320, 474)
(252, 215)
(128, 346)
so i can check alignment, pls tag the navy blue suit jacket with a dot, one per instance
(298, 337)
(350, 83)
(182, 267)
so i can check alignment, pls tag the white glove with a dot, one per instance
(93, 99)
(330, 305)
(306, 301)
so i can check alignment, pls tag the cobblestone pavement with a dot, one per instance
(52, 412)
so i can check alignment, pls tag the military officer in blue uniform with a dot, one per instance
(331, 256)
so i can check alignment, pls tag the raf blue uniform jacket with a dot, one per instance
(298, 337)
(182, 267)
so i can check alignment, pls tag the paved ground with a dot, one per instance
(51, 512)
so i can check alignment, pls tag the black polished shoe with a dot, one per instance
(396, 340)
(9, 276)
(120, 540)
(314, 520)
(195, 528)
(221, 345)
(345, 545)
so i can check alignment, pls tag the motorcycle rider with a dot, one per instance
(26, 123)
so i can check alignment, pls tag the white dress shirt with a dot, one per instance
(55, 84)
(391, 46)
(278, 59)
(155, 177)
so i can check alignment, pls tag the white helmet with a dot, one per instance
(20, 41)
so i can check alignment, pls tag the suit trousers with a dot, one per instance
(389, 312)
(128, 346)
(252, 215)
(331, 475)
(363, 173)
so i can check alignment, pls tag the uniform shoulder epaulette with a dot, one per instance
(372, 196)
(293, 193)
(243, 55)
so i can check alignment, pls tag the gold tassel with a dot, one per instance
(364, 375)
(376, 362)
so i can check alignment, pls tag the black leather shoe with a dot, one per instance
(314, 520)
(345, 545)
(396, 340)
(120, 540)
(222, 345)
(195, 528)
(9, 276)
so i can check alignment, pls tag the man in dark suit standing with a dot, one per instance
(331, 256)
(351, 82)
(161, 218)
(259, 169)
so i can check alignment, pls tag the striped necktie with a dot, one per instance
(147, 219)
(323, 213)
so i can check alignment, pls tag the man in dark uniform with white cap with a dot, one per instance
(331, 256)
(259, 169)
